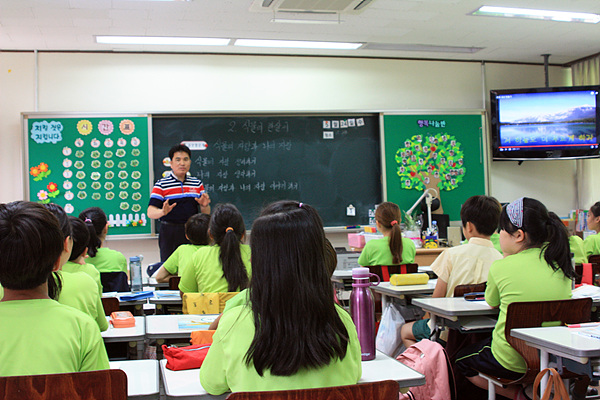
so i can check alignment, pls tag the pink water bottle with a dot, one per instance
(362, 310)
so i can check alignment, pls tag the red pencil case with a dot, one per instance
(187, 357)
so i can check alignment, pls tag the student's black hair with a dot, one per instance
(31, 241)
(55, 281)
(595, 209)
(196, 229)
(178, 148)
(483, 212)
(388, 215)
(80, 235)
(288, 259)
(96, 220)
(543, 231)
(224, 217)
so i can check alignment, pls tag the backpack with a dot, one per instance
(430, 359)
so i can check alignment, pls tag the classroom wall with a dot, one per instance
(118, 82)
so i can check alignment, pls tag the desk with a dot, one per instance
(166, 298)
(185, 385)
(149, 281)
(388, 290)
(142, 378)
(138, 305)
(164, 328)
(135, 336)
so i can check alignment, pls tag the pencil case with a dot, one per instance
(137, 296)
(409, 279)
(122, 319)
(475, 296)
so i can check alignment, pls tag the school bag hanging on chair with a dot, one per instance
(430, 359)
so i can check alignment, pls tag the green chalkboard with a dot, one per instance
(445, 152)
(331, 162)
(80, 161)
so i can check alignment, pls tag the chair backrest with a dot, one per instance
(108, 384)
(174, 282)
(114, 281)
(385, 271)
(579, 270)
(533, 314)
(382, 390)
(460, 290)
(594, 258)
(152, 268)
(110, 305)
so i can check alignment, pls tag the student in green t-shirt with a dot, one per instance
(592, 242)
(537, 267)
(76, 263)
(101, 257)
(196, 231)
(270, 343)
(39, 335)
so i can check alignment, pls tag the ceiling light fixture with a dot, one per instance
(306, 18)
(162, 40)
(550, 15)
(297, 44)
(421, 47)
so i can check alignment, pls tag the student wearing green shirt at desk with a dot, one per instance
(39, 335)
(103, 258)
(392, 249)
(76, 263)
(592, 242)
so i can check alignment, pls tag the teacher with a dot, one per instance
(174, 199)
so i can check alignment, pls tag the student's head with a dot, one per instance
(227, 230)
(65, 226)
(288, 259)
(483, 212)
(31, 243)
(181, 160)
(593, 217)
(388, 218)
(81, 237)
(196, 229)
(97, 224)
(526, 223)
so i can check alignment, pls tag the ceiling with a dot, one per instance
(71, 25)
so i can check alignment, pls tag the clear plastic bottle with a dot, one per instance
(135, 271)
(362, 310)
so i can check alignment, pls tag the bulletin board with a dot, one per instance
(443, 151)
(80, 161)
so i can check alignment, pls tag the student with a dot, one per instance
(77, 289)
(103, 258)
(577, 246)
(224, 266)
(196, 231)
(592, 242)
(537, 267)
(465, 264)
(39, 335)
(272, 343)
(76, 263)
(392, 249)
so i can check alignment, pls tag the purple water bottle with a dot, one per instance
(362, 310)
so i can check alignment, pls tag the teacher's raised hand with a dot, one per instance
(203, 200)
(168, 207)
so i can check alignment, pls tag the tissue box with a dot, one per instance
(356, 240)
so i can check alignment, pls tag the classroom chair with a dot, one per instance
(114, 281)
(110, 305)
(382, 390)
(174, 282)
(579, 271)
(532, 314)
(110, 384)
(152, 268)
(385, 271)
(594, 258)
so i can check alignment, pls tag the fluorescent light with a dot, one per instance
(538, 14)
(297, 44)
(306, 17)
(162, 40)
(420, 47)
(306, 21)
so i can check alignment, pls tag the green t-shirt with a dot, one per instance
(89, 269)
(181, 258)
(81, 292)
(1, 292)
(205, 274)
(495, 239)
(224, 368)
(592, 244)
(578, 249)
(108, 260)
(524, 276)
(377, 252)
(240, 299)
(44, 337)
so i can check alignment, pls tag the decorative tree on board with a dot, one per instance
(431, 161)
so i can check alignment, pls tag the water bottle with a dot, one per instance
(362, 310)
(135, 271)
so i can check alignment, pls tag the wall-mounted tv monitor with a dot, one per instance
(545, 123)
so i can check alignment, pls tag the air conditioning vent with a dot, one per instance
(311, 6)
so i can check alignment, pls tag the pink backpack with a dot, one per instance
(430, 359)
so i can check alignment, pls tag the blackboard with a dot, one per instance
(80, 160)
(331, 162)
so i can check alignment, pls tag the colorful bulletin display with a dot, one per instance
(82, 161)
(444, 152)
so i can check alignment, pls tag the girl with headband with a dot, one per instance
(537, 267)
(224, 266)
(392, 249)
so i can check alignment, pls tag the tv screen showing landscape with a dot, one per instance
(545, 123)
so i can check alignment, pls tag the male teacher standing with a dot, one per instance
(174, 199)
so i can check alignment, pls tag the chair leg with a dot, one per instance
(491, 390)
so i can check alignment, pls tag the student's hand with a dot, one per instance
(203, 200)
(167, 207)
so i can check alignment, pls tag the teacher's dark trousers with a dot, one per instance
(170, 237)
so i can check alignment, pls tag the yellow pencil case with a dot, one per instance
(409, 279)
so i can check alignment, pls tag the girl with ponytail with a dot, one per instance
(392, 249)
(103, 258)
(224, 266)
(537, 267)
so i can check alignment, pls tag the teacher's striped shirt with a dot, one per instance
(183, 193)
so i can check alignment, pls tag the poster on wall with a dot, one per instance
(100, 161)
